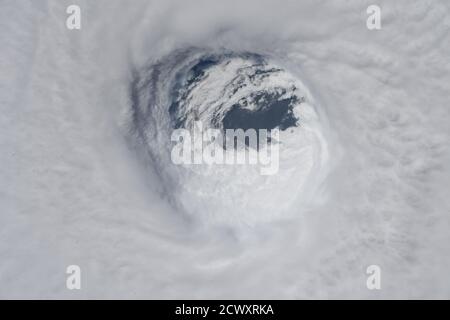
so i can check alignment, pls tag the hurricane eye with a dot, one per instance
(237, 92)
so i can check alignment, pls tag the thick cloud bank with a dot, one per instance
(86, 177)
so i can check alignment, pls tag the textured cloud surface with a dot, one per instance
(74, 190)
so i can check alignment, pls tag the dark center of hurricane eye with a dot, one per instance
(272, 112)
